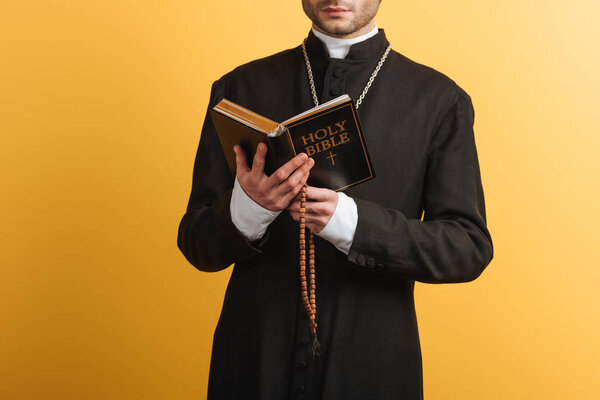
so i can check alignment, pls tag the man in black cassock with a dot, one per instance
(421, 219)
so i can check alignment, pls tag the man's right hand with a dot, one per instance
(273, 192)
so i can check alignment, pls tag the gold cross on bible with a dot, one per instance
(330, 156)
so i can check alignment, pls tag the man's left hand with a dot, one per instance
(320, 206)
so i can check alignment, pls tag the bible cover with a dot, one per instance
(330, 134)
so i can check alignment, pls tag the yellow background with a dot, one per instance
(101, 106)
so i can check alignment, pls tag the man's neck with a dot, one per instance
(339, 48)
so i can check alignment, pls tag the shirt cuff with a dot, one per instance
(340, 229)
(251, 219)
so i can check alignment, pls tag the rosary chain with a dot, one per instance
(372, 78)
(365, 90)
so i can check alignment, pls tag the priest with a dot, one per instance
(421, 219)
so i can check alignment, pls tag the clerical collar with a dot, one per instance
(339, 48)
(371, 47)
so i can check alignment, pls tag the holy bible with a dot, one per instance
(330, 134)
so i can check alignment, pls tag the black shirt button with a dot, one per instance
(338, 72)
(360, 259)
(335, 91)
(300, 388)
(379, 266)
(302, 365)
(371, 262)
(305, 340)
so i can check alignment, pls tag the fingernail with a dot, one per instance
(311, 162)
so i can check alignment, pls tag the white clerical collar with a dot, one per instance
(339, 48)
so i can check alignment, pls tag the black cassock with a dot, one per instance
(418, 125)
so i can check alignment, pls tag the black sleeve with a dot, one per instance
(207, 237)
(452, 243)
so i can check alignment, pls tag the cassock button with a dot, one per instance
(338, 72)
(379, 266)
(305, 340)
(302, 365)
(371, 263)
(300, 388)
(360, 259)
(335, 91)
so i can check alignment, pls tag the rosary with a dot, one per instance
(309, 292)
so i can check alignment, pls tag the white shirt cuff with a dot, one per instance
(251, 219)
(341, 228)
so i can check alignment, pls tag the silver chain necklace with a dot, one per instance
(365, 90)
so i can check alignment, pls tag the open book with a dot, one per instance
(329, 133)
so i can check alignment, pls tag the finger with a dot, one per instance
(240, 159)
(294, 205)
(295, 215)
(289, 197)
(312, 223)
(319, 194)
(258, 163)
(300, 175)
(286, 169)
(315, 223)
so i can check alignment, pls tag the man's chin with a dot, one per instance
(336, 28)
